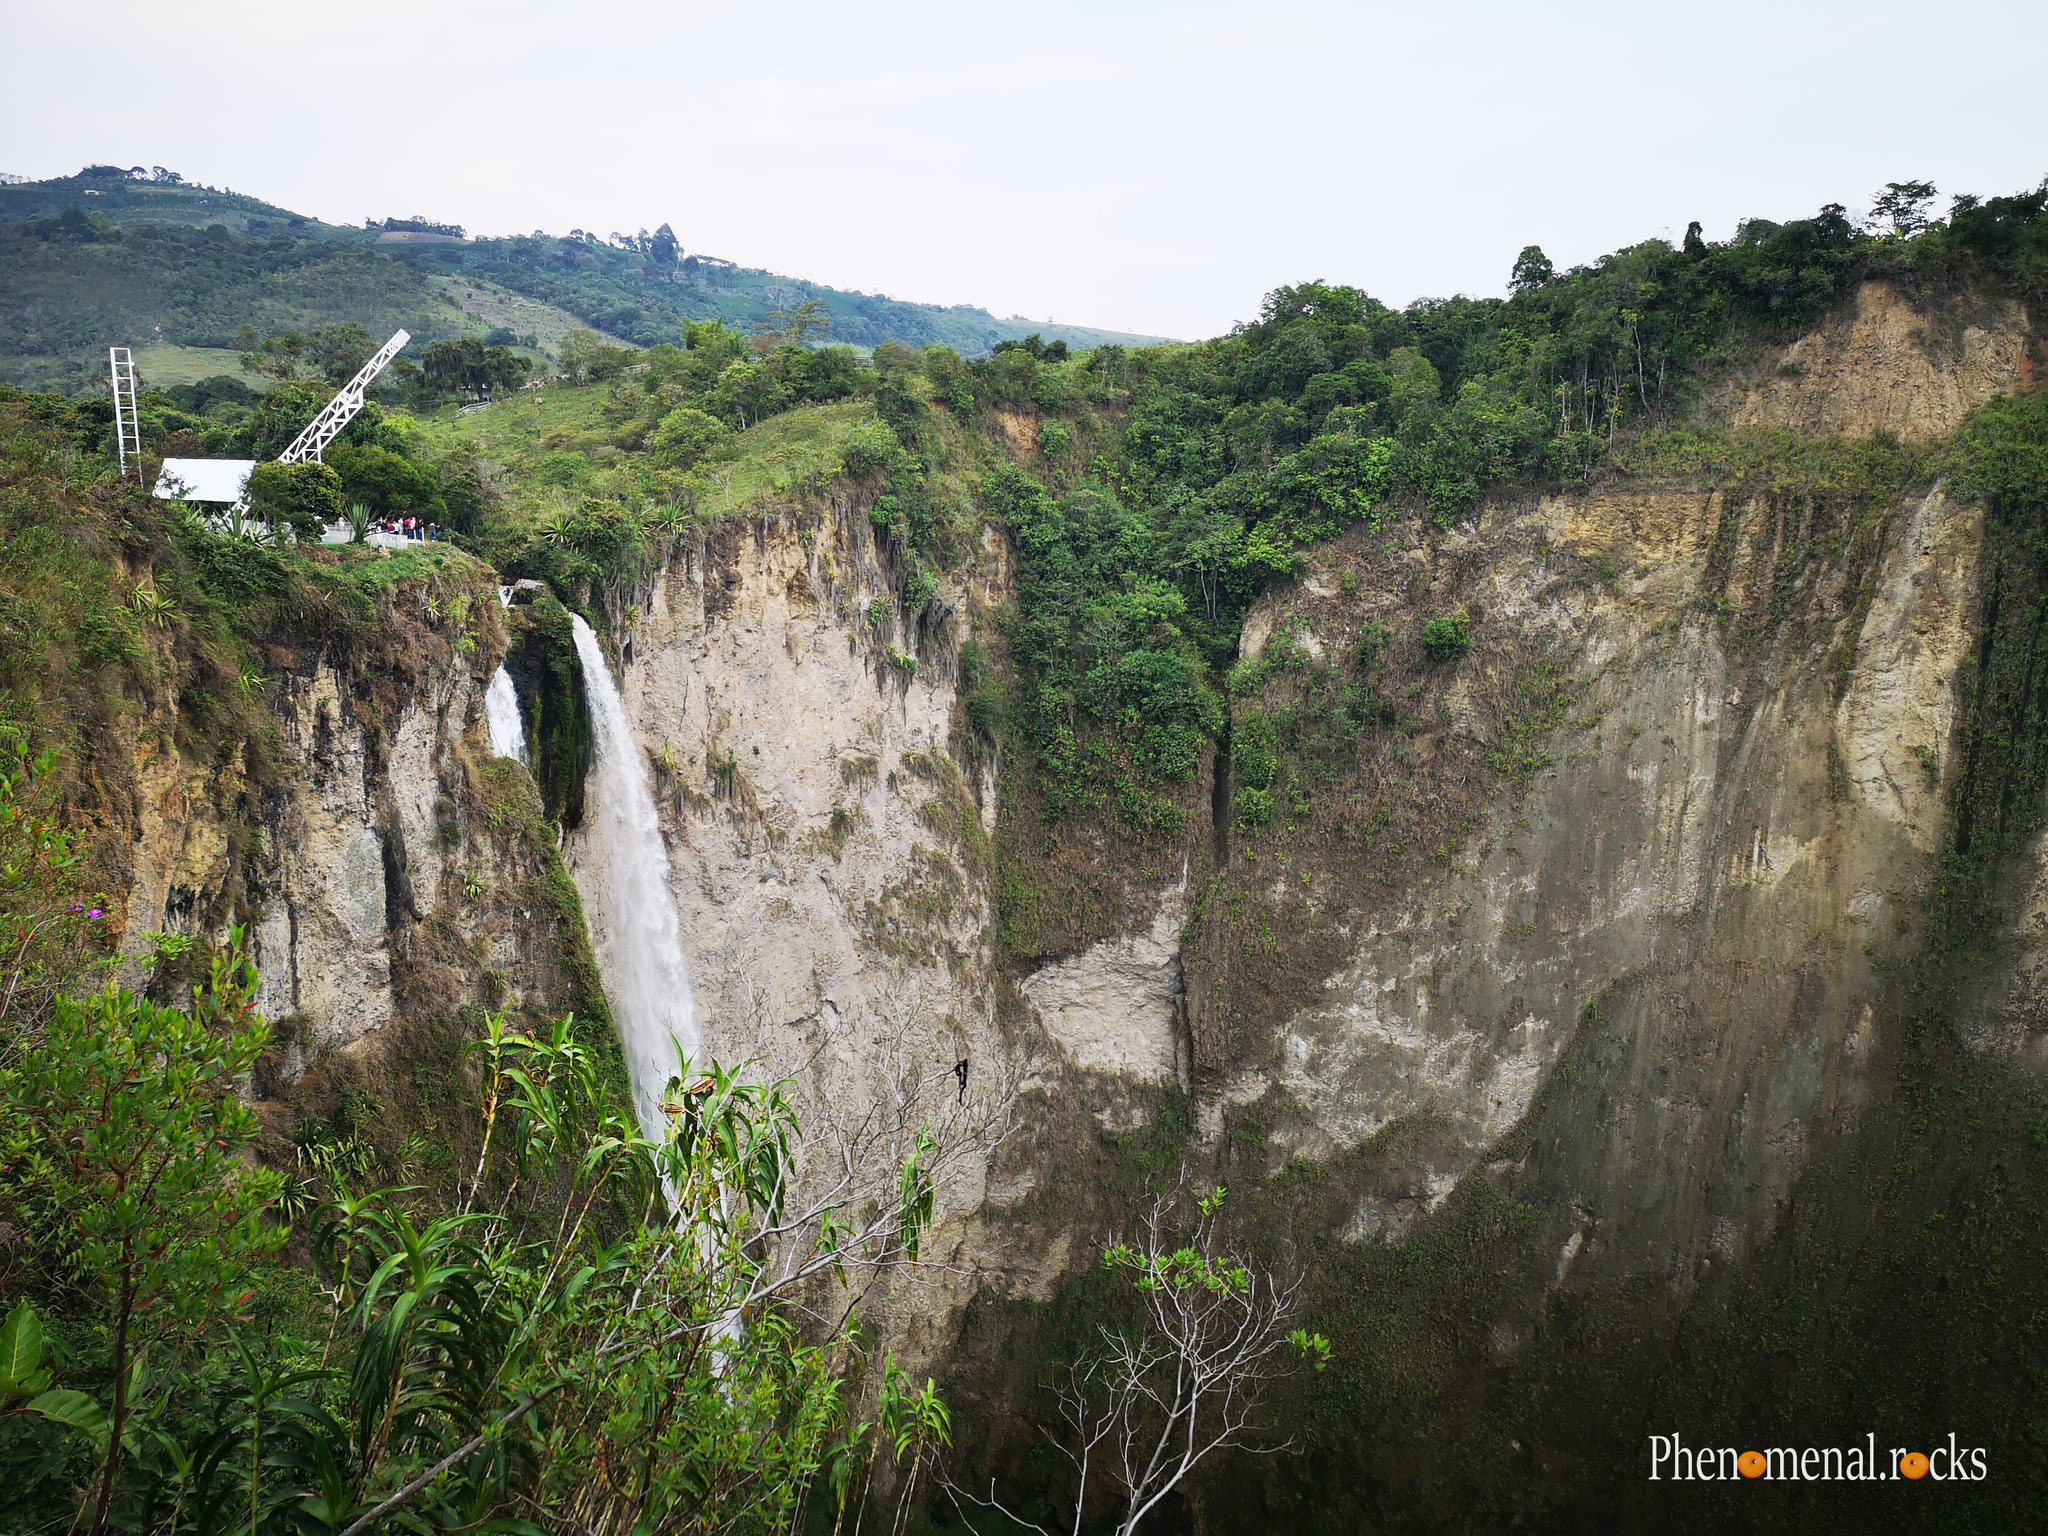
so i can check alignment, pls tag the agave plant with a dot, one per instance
(152, 606)
(358, 521)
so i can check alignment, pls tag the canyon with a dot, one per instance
(1629, 971)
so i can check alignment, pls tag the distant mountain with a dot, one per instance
(119, 256)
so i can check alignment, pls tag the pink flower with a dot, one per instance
(94, 914)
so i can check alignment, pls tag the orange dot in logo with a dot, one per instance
(1913, 1464)
(1750, 1463)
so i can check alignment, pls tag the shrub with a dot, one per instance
(870, 448)
(1447, 636)
(302, 497)
(1257, 751)
(687, 436)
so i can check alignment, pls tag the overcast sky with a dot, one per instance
(1148, 167)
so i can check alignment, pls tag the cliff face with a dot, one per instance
(1887, 366)
(1594, 945)
(386, 869)
(1729, 814)
(827, 823)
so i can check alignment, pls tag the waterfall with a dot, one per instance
(623, 874)
(501, 710)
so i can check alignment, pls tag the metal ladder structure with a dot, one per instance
(127, 426)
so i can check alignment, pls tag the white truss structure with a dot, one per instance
(127, 426)
(336, 414)
(341, 410)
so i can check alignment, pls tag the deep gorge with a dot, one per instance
(1593, 925)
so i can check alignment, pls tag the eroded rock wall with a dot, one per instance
(827, 826)
(379, 859)
(1728, 816)
(1889, 366)
(1737, 789)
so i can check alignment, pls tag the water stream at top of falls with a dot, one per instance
(623, 875)
(501, 712)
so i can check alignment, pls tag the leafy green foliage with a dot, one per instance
(51, 930)
(686, 437)
(201, 286)
(330, 354)
(543, 659)
(1447, 636)
(25, 1381)
(1101, 635)
(597, 1327)
(303, 497)
(96, 260)
(121, 1133)
(467, 366)
(384, 483)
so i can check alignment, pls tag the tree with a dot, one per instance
(505, 370)
(587, 357)
(124, 1120)
(747, 393)
(280, 416)
(686, 437)
(468, 366)
(454, 366)
(664, 248)
(280, 356)
(1695, 245)
(832, 373)
(1904, 204)
(713, 347)
(1035, 347)
(337, 352)
(302, 497)
(382, 481)
(797, 327)
(1151, 1402)
(1532, 269)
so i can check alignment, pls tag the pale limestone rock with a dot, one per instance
(1116, 1006)
(1894, 721)
(834, 917)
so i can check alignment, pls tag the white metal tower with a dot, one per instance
(340, 411)
(336, 414)
(127, 427)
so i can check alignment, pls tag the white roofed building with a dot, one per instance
(204, 479)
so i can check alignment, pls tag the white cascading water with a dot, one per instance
(501, 711)
(623, 875)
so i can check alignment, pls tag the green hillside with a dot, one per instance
(107, 258)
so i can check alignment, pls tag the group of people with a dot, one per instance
(406, 528)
